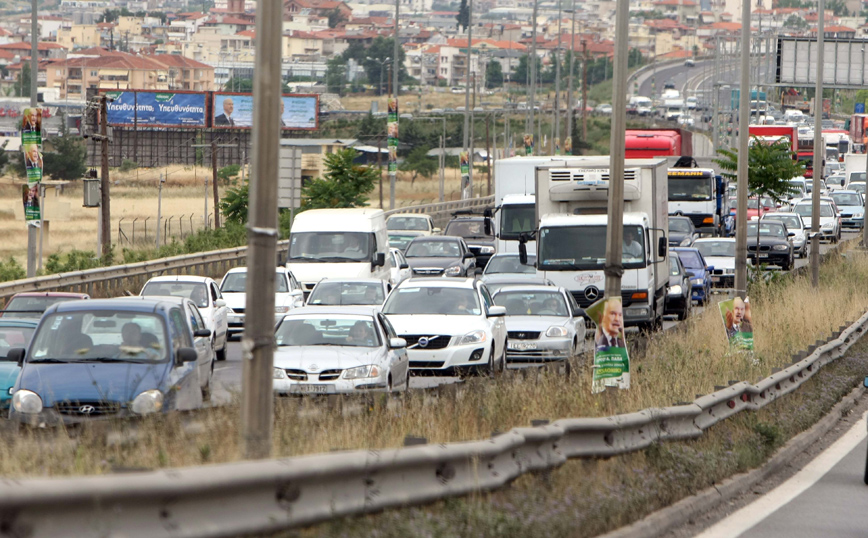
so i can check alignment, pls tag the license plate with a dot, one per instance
(521, 346)
(312, 389)
(764, 256)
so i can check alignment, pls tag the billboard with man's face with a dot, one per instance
(235, 111)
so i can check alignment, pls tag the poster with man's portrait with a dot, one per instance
(30, 199)
(737, 322)
(611, 360)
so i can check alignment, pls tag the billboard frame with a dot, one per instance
(214, 94)
(136, 125)
(846, 65)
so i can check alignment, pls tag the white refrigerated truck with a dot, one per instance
(571, 215)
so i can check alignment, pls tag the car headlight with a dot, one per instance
(281, 309)
(685, 242)
(857, 215)
(359, 372)
(453, 271)
(556, 331)
(486, 250)
(780, 247)
(279, 373)
(25, 401)
(474, 337)
(697, 281)
(150, 401)
(675, 290)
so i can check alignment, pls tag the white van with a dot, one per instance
(338, 243)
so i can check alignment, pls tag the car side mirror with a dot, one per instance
(468, 255)
(496, 311)
(379, 260)
(397, 343)
(522, 249)
(219, 303)
(404, 265)
(487, 226)
(578, 313)
(186, 354)
(16, 355)
(662, 247)
(791, 234)
(709, 268)
(202, 333)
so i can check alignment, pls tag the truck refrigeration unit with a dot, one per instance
(571, 215)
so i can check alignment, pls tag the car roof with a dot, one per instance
(319, 311)
(131, 304)
(420, 215)
(529, 287)
(277, 269)
(51, 294)
(174, 299)
(353, 280)
(439, 282)
(450, 238)
(684, 249)
(180, 278)
(845, 191)
(711, 239)
(512, 255)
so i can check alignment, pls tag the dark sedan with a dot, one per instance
(774, 244)
(679, 299)
(107, 358)
(440, 256)
(682, 232)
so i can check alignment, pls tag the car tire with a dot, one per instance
(206, 390)
(685, 312)
(221, 353)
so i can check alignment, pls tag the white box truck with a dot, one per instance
(338, 243)
(572, 204)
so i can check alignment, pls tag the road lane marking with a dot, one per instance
(751, 515)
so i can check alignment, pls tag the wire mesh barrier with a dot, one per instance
(140, 232)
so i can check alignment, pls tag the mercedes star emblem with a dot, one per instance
(592, 293)
(86, 409)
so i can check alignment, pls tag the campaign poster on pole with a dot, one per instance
(528, 144)
(464, 165)
(31, 145)
(611, 360)
(392, 133)
(736, 317)
(568, 145)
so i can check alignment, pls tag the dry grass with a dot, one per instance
(680, 365)
(410, 102)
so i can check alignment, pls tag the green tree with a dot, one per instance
(521, 72)
(336, 71)
(345, 183)
(419, 163)
(68, 156)
(335, 16)
(463, 17)
(795, 22)
(234, 204)
(493, 75)
(770, 167)
(228, 174)
(22, 85)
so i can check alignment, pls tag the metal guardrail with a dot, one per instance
(266, 496)
(114, 280)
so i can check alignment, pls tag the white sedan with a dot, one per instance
(205, 295)
(451, 325)
(830, 220)
(412, 222)
(330, 350)
(288, 295)
(719, 253)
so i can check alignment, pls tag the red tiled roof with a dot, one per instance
(175, 60)
(675, 3)
(247, 33)
(837, 29)
(42, 45)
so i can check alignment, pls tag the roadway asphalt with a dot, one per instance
(227, 375)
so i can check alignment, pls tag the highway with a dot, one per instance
(227, 375)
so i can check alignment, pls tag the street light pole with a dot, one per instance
(819, 149)
(742, 190)
(572, 68)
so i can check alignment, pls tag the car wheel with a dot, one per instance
(221, 353)
(685, 312)
(206, 390)
(502, 367)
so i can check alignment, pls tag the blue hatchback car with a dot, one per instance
(14, 333)
(106, 358)
(700, 273)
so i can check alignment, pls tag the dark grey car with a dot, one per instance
(682, 232)
(440, 256)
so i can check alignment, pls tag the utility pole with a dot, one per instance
(257, 344)
(472, 135)
(572, 69)
(214, 184)
(395, 84)
(741, 192)
(532, 68)
(32, 232)
(488, 154)
(467, 189)
(380, 166)
(715, 101)
(557, 126)
(104, 203)
(819, 148)
(160, 208)
(615, 230)
(585, 90)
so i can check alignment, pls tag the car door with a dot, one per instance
(295, 290)
(399, 360)
(497, 324)
(469, 264)
(183, 386)
(218, 314)
(202, 344)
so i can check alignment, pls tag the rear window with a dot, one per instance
(13, 337)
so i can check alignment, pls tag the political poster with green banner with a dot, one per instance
(528, 144)
(392, 132)
(611, 360)
(736, 317)
(31, 145)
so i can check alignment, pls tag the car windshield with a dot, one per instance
(31, 307)
(510, 264)
(347, 247)
(433, 248)
(791, 222)
(804, 210)
(847, 199)
(716, 248)
(532, 303)
(12, 337)
(407, 223)
(570, 248)
(195, 291)
(467, 229)
(347, 293)
(679, 226)
(516, 219)
(858, 187)
(767, 229)
(104, 335)
(857, 176)
(237, 283)
(690, 260)
(433, 300)
(352, 331)
(400, 241)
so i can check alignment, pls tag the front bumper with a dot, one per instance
(852, 223)
(450, 357)
(542, 349)
(723, 280)
(288, 387)
(697, 292)
(771, 258)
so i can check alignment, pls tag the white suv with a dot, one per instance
(451, 325)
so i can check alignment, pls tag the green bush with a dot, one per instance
(11, 270)
(128, 165)
(75, 260)
(227, 174)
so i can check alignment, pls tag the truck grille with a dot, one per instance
(585, 302)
